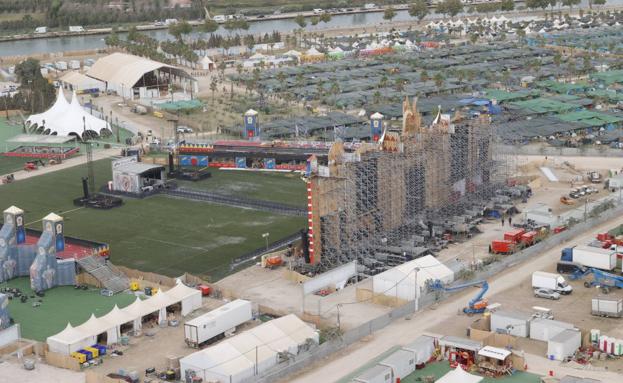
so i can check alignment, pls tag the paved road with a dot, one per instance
(403, 331)
(75, 161)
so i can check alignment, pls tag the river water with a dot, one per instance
(73, 43)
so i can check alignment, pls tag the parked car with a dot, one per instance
(184, 129)
(546, 293)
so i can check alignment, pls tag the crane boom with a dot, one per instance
(477, 304)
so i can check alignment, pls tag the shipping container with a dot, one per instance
(556, 282)
(514, 235)
(511, 322)
(607, 306)
(217, 322)
(603, 259)
(545, 329)
(401, 362)
(529, 238)
(376, 374)
(501, 246)
(564, 344)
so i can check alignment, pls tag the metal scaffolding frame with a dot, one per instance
(381, 204)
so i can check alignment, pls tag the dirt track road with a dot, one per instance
(404, 331)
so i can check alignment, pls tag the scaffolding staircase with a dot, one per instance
(109, 276)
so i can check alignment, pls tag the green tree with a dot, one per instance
(557, 59)
(507, 5)
(438, 79)
(570, 3)
(178, 30)
(209, 26)
(473, 38)
(315, 20)
(36, 92)
(213, 86)
(300, 20)
(599, 2)
(450, 7)
(424, 76)
(325, 17)
(389, 14)
(419, 9)
(132, 33)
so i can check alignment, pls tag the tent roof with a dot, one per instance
(313, 52)
(376, 116)
(118, 317)
(137, 167)
(206, 60)
(494, 352)
(94, 326)
(68, 336)
(65, 118)
(292, 53)
(14, 210)
(458, 375)
(77, 79)
(39, 139)
(429, 268)
(53, 217)
(181, 292)
(122, 68)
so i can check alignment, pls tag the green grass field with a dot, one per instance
(60, 304)
(159, 234)
(278, 187)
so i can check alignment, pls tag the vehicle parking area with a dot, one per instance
(574, 308)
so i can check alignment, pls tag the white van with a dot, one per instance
(219, 18)
(41, 30)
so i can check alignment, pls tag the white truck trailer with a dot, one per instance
(215, 323)
(556, 282)
(605, 306)
(589, 256)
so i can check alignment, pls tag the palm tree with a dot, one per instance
(438, 80)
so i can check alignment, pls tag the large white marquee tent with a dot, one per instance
(67, 118)
(400, 281)
(74, 338)
(250, 353)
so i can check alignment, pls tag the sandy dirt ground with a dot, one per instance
(71, 162)
(11, 371)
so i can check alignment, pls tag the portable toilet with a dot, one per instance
(376, 126)
(251, 128)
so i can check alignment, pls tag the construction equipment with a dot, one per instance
(603, 280)
(595, 177)
(476, 305)
(566, 200)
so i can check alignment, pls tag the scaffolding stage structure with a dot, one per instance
(401, 192)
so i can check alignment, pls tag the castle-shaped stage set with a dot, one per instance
(20, 256)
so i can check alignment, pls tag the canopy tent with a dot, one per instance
(400, 281)
(189, 297)
(69, 340)
(494, 352)
(74, 338)
(458, 375)
(250, 353)
(206, 63)
(64, 119)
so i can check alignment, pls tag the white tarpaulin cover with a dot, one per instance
(249, 353)
(399, 281)
(458, 375)
(494, 352)
(423, 348)
(66, 119)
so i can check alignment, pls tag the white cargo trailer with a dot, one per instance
(511, 322)
(589, 256)
(556, 282)
(76, 28)
(217, 322)
(607, 306)
(564, 344)
(376, 374)
(545, 329)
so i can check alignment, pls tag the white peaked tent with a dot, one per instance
(206, 63)
(75, 338)
(189, 297)
(313, 52)
(69, 340)
(66, 119)
(458, 375)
